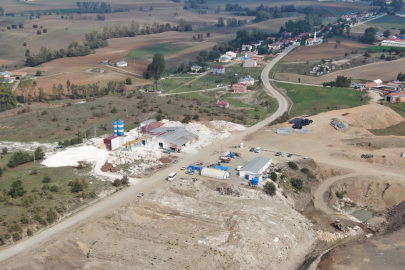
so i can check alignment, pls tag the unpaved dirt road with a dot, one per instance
(129, 193)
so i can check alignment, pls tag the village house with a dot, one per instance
(218, 70)
(239, 87)
(249, 81)
(195, 68)
(231, 54)
(223, 104)
(122, 64)
(250, 54)
(393, 42)
(395, 97)
(224, 59)
(247, 47)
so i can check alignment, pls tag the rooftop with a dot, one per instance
(256, 164)
(219, 67)
(175, 135)
(399, 94)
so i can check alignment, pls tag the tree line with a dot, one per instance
(231, 22)
(7, 97)
(97, 7)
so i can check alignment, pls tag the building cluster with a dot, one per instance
(227, 57)
(117, 64)
(153, 134)
(393, 91)
(363, 14)
(10, 77)
(242, 85)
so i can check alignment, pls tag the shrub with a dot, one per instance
(117, 182)
(305, 170)
(14, 228)
(128, 81)
(273, 176)
(68, 128)
(340, 195)
(270, 188)
(46, 179)
(25, 220)
(40, 220)
(4, 150)
(38, 32)
(39, 153)
(114, 110)
(297, 183)
(293, 165)
(51, 215)
(17, 189)
(76, 186)
(54, 189)
(45, 187)
(29, 232)
(35, 26)
(16, 236)
(34, 172)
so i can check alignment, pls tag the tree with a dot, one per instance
(8, 99)
(38, 73)
(221, 22)
(45, 30)
(397, 4)
(369, 35)
(39, 153)
(186, 119)
(347, 30)
(297, 183)
(208, 34)
(46, 179)
(128, 81)
(19, 158)
(117, 182)
(51, 215)
(387, 33)
(77, 186)
(17, 189)
(218, 10)
(382, 56)
(196, 117)
(273, 176)
(68, 86)
(270, 188)
(125, 179)
(114, 110)
(1, 171)
(38, 32)
(4, 150)
(293, 165)
(262, 16)
(157, 67)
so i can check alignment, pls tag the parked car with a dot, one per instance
(258, 149)
(284, 155)
(278, 153)
(183, 168)
(252, 149)
(305, 157)
(290, 155)
(141, 194)
(239, 168)
(175, 161)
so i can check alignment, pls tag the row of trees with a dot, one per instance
(300, 26)
(97, 7)
(1, 11)
(20, 157)
(231, 22)
(341, 81)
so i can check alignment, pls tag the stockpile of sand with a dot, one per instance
(372, 116)
(72, 156)
(226, 126)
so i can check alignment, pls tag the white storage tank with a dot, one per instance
(218, 174)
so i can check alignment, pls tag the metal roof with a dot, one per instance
(175, 135)
(257, 164)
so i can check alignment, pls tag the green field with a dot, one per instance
(397, 130)
(388, 21)
(311, 99)
(380, 48)
(165, 49)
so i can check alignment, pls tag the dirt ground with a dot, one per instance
(183, 225)
(324, 50)
(385, 71)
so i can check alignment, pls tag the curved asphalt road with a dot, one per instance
(128, 194)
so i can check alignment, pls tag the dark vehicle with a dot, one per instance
(289, 155)
(175, 161)
(278, 154)
(252, 149)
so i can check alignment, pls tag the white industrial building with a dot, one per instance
(174, 138)
(255, 168)
(114, 142)
(214, 173)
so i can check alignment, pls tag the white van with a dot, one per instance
(258, 149)
(172, 176)
(239, 168)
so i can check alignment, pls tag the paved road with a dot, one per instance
(128, 194)
(360, 23)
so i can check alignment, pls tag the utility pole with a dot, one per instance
(95, 131)
(126, 109)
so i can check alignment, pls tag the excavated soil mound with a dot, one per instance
(372, 116)
(370, 191)
(395, 218)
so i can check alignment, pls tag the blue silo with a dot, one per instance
(115, 127)
(120, 127)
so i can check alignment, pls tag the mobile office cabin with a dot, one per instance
(172, 176)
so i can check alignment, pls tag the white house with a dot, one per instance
(122, 64)
(255, 168)
(231, 54)
(249, 81)
(224, 59)
(218, 69)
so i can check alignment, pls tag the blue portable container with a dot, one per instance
(255, 181)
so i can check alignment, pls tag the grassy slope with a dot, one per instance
(311, 99)
(379, 48)
(43, 200)
(388, 21)
(399, 129)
